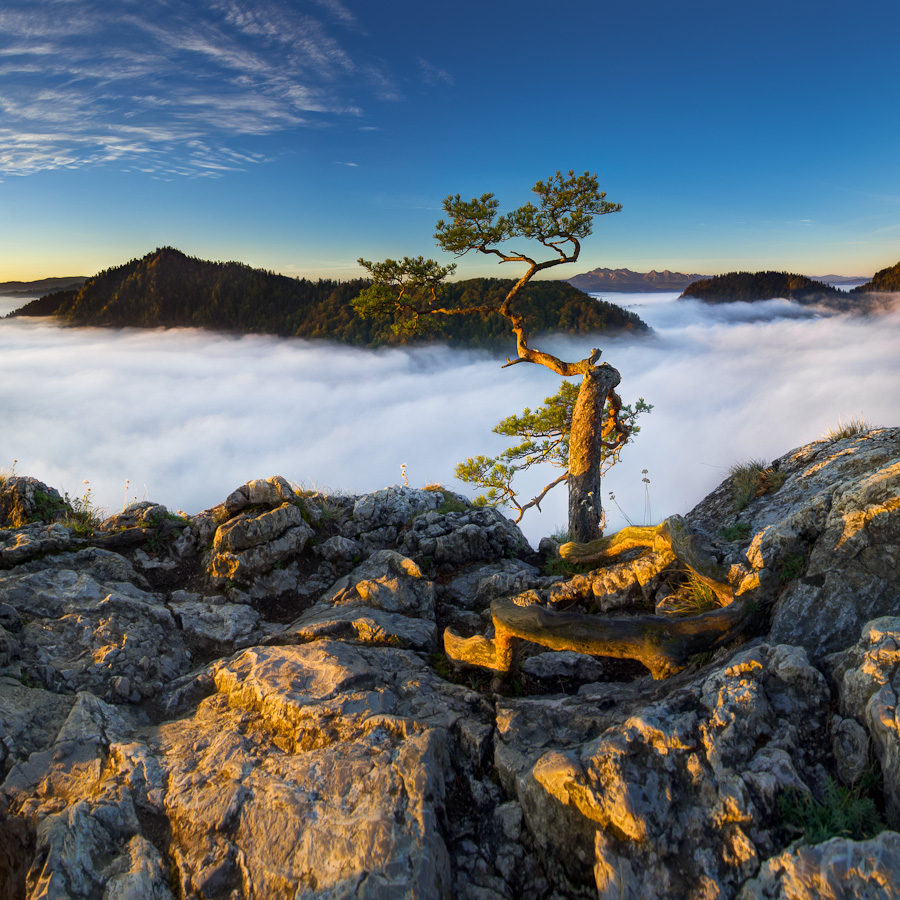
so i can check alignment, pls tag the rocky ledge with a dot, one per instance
(253, 702)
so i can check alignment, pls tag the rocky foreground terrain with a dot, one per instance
(253, 702)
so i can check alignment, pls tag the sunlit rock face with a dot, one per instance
(836, 868)
(825, 546)
(678, 798)
(252, 702)
(868, 678)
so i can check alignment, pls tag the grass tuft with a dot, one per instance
(853, 426)
(695, 598)
(843, 812)
(737, 531)
(753, 479)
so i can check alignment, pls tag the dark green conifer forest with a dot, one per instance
(166, 288)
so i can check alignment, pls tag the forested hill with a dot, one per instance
(167, 288)
(751, 286)
(884, 281)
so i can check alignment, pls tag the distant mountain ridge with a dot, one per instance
(626, 280)
(21, 288)
(167, 288)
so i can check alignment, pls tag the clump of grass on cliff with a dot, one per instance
(753, 479)
(695, 598)
(6, 474)
(853, 426)
(451, 503)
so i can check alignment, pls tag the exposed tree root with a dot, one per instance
(663, 644)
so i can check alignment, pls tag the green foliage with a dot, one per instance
(843, 812)
(81, 514)
(851, 428)
(737, 531)
(753, 479)
(565, 211)
(545, 439)
(793, 566)
(402, 289)
(452, 504)
(159, 518)
(48, 507)
(701, 659)
(556, 565)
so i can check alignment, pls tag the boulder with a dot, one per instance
(252, 544)
(87, 625)
(30, 541)
(839, 868)
(24, 500)
(393, 507)
(457, 538)
(868, 681)
(825, 552)
(386, 599)
(853, 571)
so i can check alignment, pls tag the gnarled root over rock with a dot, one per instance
(662, 643)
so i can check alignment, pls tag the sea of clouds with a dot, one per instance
(186, 416)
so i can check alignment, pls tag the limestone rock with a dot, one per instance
(266, 492)
(329, 758)
(217, 623)
(868, 680)
(680, 798)
(87, 629)
(564, 664)
(631, 582)
(253, 544)
(24, 500)
(480, 533)
(31, 541)
(143, 514)
(476, 585)
(395, 507)
(826, 544)
(839, 868)
(385, 599)
(339, 548)
(853, 574)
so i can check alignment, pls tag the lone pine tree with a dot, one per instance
(411, 290)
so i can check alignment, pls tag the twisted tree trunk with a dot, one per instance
(586, 446)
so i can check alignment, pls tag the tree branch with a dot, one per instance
(536, 501)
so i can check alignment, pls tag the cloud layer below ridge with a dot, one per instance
(187, 416)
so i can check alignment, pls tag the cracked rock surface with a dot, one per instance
(252, 702)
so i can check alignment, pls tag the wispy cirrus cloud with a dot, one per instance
(169, 87)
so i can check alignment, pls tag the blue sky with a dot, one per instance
(298, 135)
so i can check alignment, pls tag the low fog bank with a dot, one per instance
(187, 416)
(9, 302)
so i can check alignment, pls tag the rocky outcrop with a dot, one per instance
(836, 868)
(824, 549)
(24, 500)
(251, 702)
